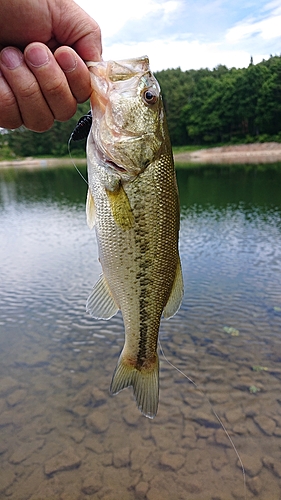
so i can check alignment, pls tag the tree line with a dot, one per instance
(203, 107)
(224, 105)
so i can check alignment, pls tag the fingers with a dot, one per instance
(10, 116)
(76, 72)
(34, 90)
(23, 95)
(51, 80)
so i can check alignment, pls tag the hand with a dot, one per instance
(42, 76)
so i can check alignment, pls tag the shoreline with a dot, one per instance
(267, 152)
(30, 163)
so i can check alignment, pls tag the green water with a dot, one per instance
(62, 435)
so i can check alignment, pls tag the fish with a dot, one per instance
(133, 204)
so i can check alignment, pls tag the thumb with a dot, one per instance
(74, 27)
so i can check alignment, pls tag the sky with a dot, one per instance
(189, 34)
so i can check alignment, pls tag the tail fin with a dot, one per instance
(145, 384)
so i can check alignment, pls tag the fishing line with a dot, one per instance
(213, 411)
(73, 162)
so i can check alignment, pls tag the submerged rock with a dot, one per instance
(172, 460)
(234, 415)
(34, 358)
(252, 465)
(255, 485)
(153, 494)
(266, 424)
(222, 439)
(98, 421)
(277, 469)
(7, 384)
(18, 396)
(66, 460)
(92, 483)
(139, 457)
(51, 489)
(6, 418)
(25, 450)
(273, 465)
(219, 463)
(7, 478)
(121, 457)
(141, 489)
(76, 434)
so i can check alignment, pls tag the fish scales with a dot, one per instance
(134, 206)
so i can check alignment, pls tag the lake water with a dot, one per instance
(63, 437)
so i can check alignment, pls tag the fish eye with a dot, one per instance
(150, 96)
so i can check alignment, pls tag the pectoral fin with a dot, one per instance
(90, 210)
(101, 304)
(121, 208)
(176, 294)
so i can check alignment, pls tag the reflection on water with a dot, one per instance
(62, 435)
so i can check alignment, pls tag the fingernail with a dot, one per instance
(37, 56)
(11, 58)
(67, 61)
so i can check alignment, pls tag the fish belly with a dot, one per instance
(139, 264)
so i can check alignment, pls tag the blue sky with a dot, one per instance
(188, 34)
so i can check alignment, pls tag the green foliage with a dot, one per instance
(176, 86)
(5, 151)
(203, 107)
(223, 105)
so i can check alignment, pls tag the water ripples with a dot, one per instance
(229, 322)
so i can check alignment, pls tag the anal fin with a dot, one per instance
(100, 303)
(176, 295)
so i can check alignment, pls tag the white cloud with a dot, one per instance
(113, 16)
(272, 6)
(185, 54)
(267, 28)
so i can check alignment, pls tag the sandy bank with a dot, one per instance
(31, 163)
(267, 152)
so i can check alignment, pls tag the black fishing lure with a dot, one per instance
(80, 132)
(82, 128)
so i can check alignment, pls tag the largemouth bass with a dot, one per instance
(133, 203)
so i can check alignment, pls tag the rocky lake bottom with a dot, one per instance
(64, 437)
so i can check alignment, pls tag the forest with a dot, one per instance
(204, 107)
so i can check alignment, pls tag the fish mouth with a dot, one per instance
(114, 165)
(106, 161)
